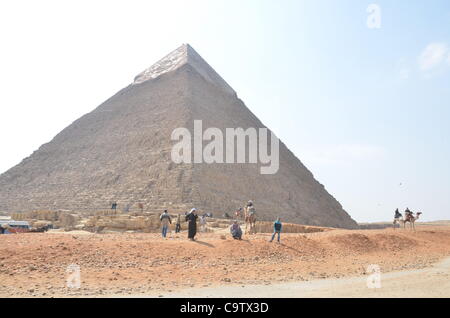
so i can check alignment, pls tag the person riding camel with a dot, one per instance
(250, 217)
(408, 214)
(250, 208)
(397, 214)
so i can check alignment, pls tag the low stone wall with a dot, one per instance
(125, 222)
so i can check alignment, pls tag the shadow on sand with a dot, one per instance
(290, 248)
(204, 243)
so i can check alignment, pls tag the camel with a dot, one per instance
(409, 217)
(250, 219)
(399, 221)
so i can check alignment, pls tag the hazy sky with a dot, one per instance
(366, 110)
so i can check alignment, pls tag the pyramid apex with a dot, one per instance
(185, 54)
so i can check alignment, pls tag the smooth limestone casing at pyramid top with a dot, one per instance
(121, 152)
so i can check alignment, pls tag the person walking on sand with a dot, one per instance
(165, 221)
(178, 224)
(191, 218)
(277, 229)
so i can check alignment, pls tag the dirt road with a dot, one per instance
(430, 282)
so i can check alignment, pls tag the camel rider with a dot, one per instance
(408, 214)
(398, 215)
(250, 208)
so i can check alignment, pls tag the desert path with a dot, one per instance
(428, 282)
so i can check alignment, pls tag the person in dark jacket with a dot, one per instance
(178, 224)
(236, 231)
(277, 229)
(191, 218)
(397, 214)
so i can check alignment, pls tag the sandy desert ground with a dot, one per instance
(328, 264)
(429, 282)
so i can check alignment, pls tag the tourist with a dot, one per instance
(165, 221)
(203, 223)
(178, 224)
(238, 213)
(6, 229)
(250, 208)
(276, 229)
(191, 218)
(236, 231)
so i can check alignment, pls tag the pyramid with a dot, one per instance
(121, 152)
